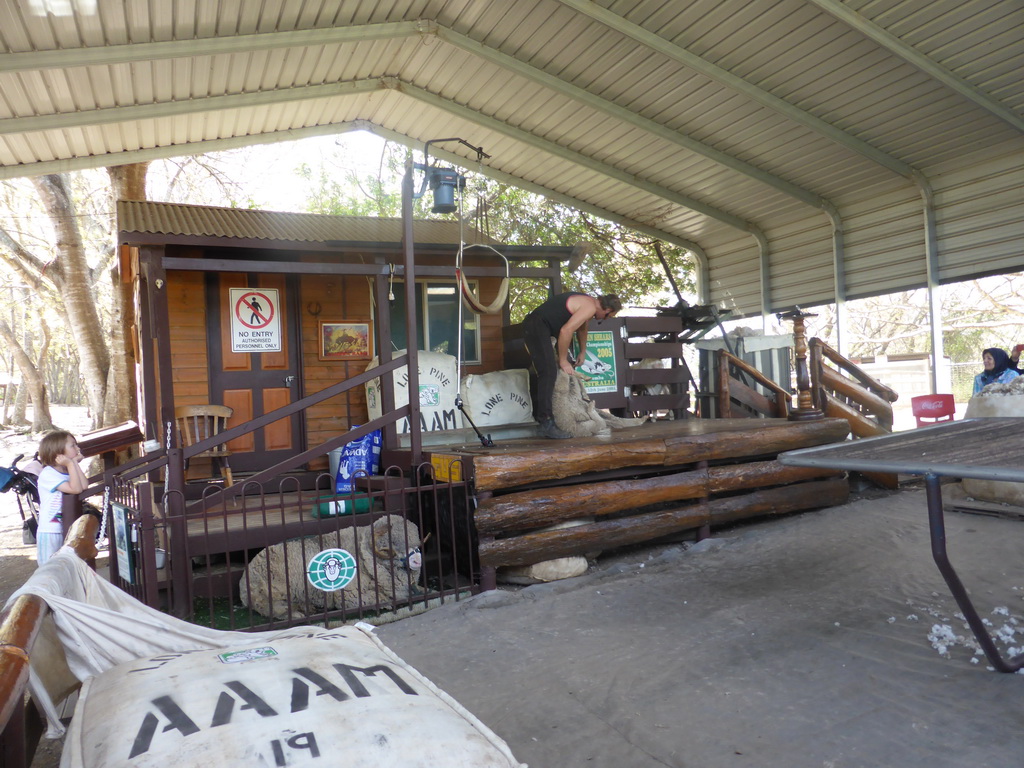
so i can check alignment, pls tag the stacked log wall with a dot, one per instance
(680, 484)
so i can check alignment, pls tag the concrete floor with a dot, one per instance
(797, 642)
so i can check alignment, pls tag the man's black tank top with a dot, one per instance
(554, 313)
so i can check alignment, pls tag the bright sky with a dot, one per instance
(272, 182)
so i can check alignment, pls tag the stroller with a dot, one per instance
(23, 481)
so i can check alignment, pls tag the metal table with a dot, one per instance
(987, 449)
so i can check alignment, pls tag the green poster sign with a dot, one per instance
(599, 367)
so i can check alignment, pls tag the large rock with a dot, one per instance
(997, 400)
(275, 581)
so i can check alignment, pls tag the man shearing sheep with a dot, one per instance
(561, 317)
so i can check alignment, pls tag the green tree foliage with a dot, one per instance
(619, 261)
(355, 194)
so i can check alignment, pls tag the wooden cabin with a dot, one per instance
(324, 275)
(280, 316)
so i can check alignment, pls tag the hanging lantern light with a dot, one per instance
(443, 183)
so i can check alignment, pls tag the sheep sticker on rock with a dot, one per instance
(331, 570)
(382, 571)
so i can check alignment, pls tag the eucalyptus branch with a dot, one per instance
(27, 265)
(20, 356)
(44, 345)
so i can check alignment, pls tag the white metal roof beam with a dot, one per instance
(703, 272)
(172, 150)
(572, 156)
(134, 52)
(208, 46)
(584, 96)
(914, 57)
(738, 84)
(107, 115)
(236, 142)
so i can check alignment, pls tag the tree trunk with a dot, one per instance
(128, 182)
(121, 402)
(33, 383)
(71, 276)
(20, 406)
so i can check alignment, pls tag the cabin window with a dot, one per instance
(437, 310)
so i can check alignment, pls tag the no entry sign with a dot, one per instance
(255, 320)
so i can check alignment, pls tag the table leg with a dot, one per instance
(937, 529)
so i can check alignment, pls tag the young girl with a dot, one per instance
(59, 455)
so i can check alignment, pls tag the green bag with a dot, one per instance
(335, 506)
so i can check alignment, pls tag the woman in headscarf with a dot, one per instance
(998, 368)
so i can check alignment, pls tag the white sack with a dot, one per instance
(103, 629)
(499, 397)
(306, 697)
(545, 571)
(438, 385)
(548, 570)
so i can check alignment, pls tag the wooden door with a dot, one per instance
(255, 383)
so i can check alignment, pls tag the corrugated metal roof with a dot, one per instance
(745, 129)
(243, 223)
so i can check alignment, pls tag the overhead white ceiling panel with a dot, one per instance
(707, 121)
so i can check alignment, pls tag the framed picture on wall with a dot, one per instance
(343, 340)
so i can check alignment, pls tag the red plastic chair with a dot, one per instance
(931, 409)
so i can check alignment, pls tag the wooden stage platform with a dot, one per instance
(635, 484)
(529, 460)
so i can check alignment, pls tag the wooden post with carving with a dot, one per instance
(805, 409)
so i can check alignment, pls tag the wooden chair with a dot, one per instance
(200, 422)
(931, 409)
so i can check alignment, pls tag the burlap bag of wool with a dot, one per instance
(499, 397)
(997, 400)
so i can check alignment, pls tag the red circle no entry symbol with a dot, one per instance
(254, 310)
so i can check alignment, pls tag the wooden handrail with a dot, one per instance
(146, 464)
(854, 370)
(21, 623)
(724, 360)
(866, 396)
(292, 408)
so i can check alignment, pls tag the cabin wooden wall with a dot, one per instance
(186, 309)
(335, 298)
(331, 299)
(350, 299)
